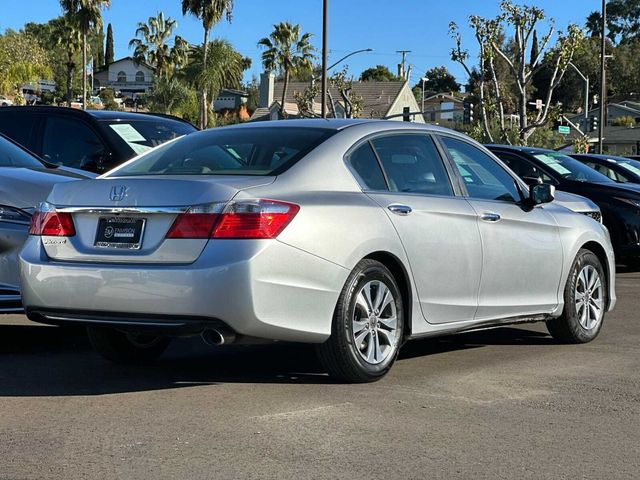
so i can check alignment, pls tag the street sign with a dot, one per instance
(564, 130)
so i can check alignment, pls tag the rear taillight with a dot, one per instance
(48, 222)
(254, 219)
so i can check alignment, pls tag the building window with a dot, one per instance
(140, 76)
(122, 77)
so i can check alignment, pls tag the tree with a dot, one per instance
(85, 15)
(439, 80)
(22, 60)
(97, 45)
(379, 73)
(71, 39)
(209, 12)
(167, 95)
(153, 47)
(109, 56)
(225, 68)
(352, 102)
(287, 52)
(523, 21)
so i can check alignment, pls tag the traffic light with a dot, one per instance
(406, 114)
(467, 117)
(593, 123)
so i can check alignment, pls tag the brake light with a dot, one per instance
(193, 225)
(254, 219)
(46, 221)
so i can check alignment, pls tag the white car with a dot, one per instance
(5, 102)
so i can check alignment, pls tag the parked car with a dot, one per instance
(5, 102)
(618, 169)
(25, 181)
(354, 235)
(619, 203)
(93, 140)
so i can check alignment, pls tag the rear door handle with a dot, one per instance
(399, 209)
(490, 217)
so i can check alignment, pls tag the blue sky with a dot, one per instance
(417, 25)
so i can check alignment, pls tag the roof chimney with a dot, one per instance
(267, 83)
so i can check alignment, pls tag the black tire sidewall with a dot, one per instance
(570, 316)
(364, 274)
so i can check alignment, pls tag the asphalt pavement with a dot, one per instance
(504, 403)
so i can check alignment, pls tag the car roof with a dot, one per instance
(522, 149)
(97, 114)
(598, 156)
(344, 123)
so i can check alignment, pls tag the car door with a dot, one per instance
(405, 175)
(522, 253)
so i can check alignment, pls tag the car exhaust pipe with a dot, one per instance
(216, 338)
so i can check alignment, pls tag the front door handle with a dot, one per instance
(399, 209)
(490, 217)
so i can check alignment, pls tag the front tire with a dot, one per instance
(367, 328)
(585, 301)
(126, 348)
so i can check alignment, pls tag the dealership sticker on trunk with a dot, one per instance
(120, 232)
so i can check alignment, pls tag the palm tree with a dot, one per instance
(85, 15)
(224, 69)
(287, 52)
(71, 39)
(167, 95)
(153, 48)
(210, 12)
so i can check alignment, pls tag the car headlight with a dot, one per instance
(14, 215)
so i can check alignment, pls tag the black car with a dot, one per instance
(618, 169)
(619, 203)
(93, 140)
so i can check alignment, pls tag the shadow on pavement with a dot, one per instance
(52, 361)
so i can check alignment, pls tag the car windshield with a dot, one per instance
(632, 166)
(570, 169)
(142, 135)
(13, 156)
(228, 151)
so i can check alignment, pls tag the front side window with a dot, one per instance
(364, 163)
(70, 142)
(413, 165)
(483, 176)
(569, 168)
(142, 135)
(523, 168)
(229, 151)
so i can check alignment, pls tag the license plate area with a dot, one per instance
(120, 232)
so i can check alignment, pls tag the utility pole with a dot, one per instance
(325, 10)
(403, 63)
(603, 78)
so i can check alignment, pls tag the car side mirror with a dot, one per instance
(541, 193)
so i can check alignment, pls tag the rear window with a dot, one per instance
(142, 135)
(13, 156)
(233, 151)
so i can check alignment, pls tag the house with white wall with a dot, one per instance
(125, 75)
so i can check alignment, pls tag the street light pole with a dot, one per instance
(603, 78)
(347, 56)
(325, 10)
(424, 79)
(586, 96)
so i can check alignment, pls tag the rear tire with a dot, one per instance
(367, 328)
(126, 348)
(585, 301)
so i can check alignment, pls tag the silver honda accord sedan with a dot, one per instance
(353, 235)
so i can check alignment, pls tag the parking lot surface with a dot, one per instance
(502, 403)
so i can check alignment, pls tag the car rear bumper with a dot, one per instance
(258, 288)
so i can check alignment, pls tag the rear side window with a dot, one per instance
(18, 127)
(365, 164)
(70, 142)
(229, 151)
(413, 165)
